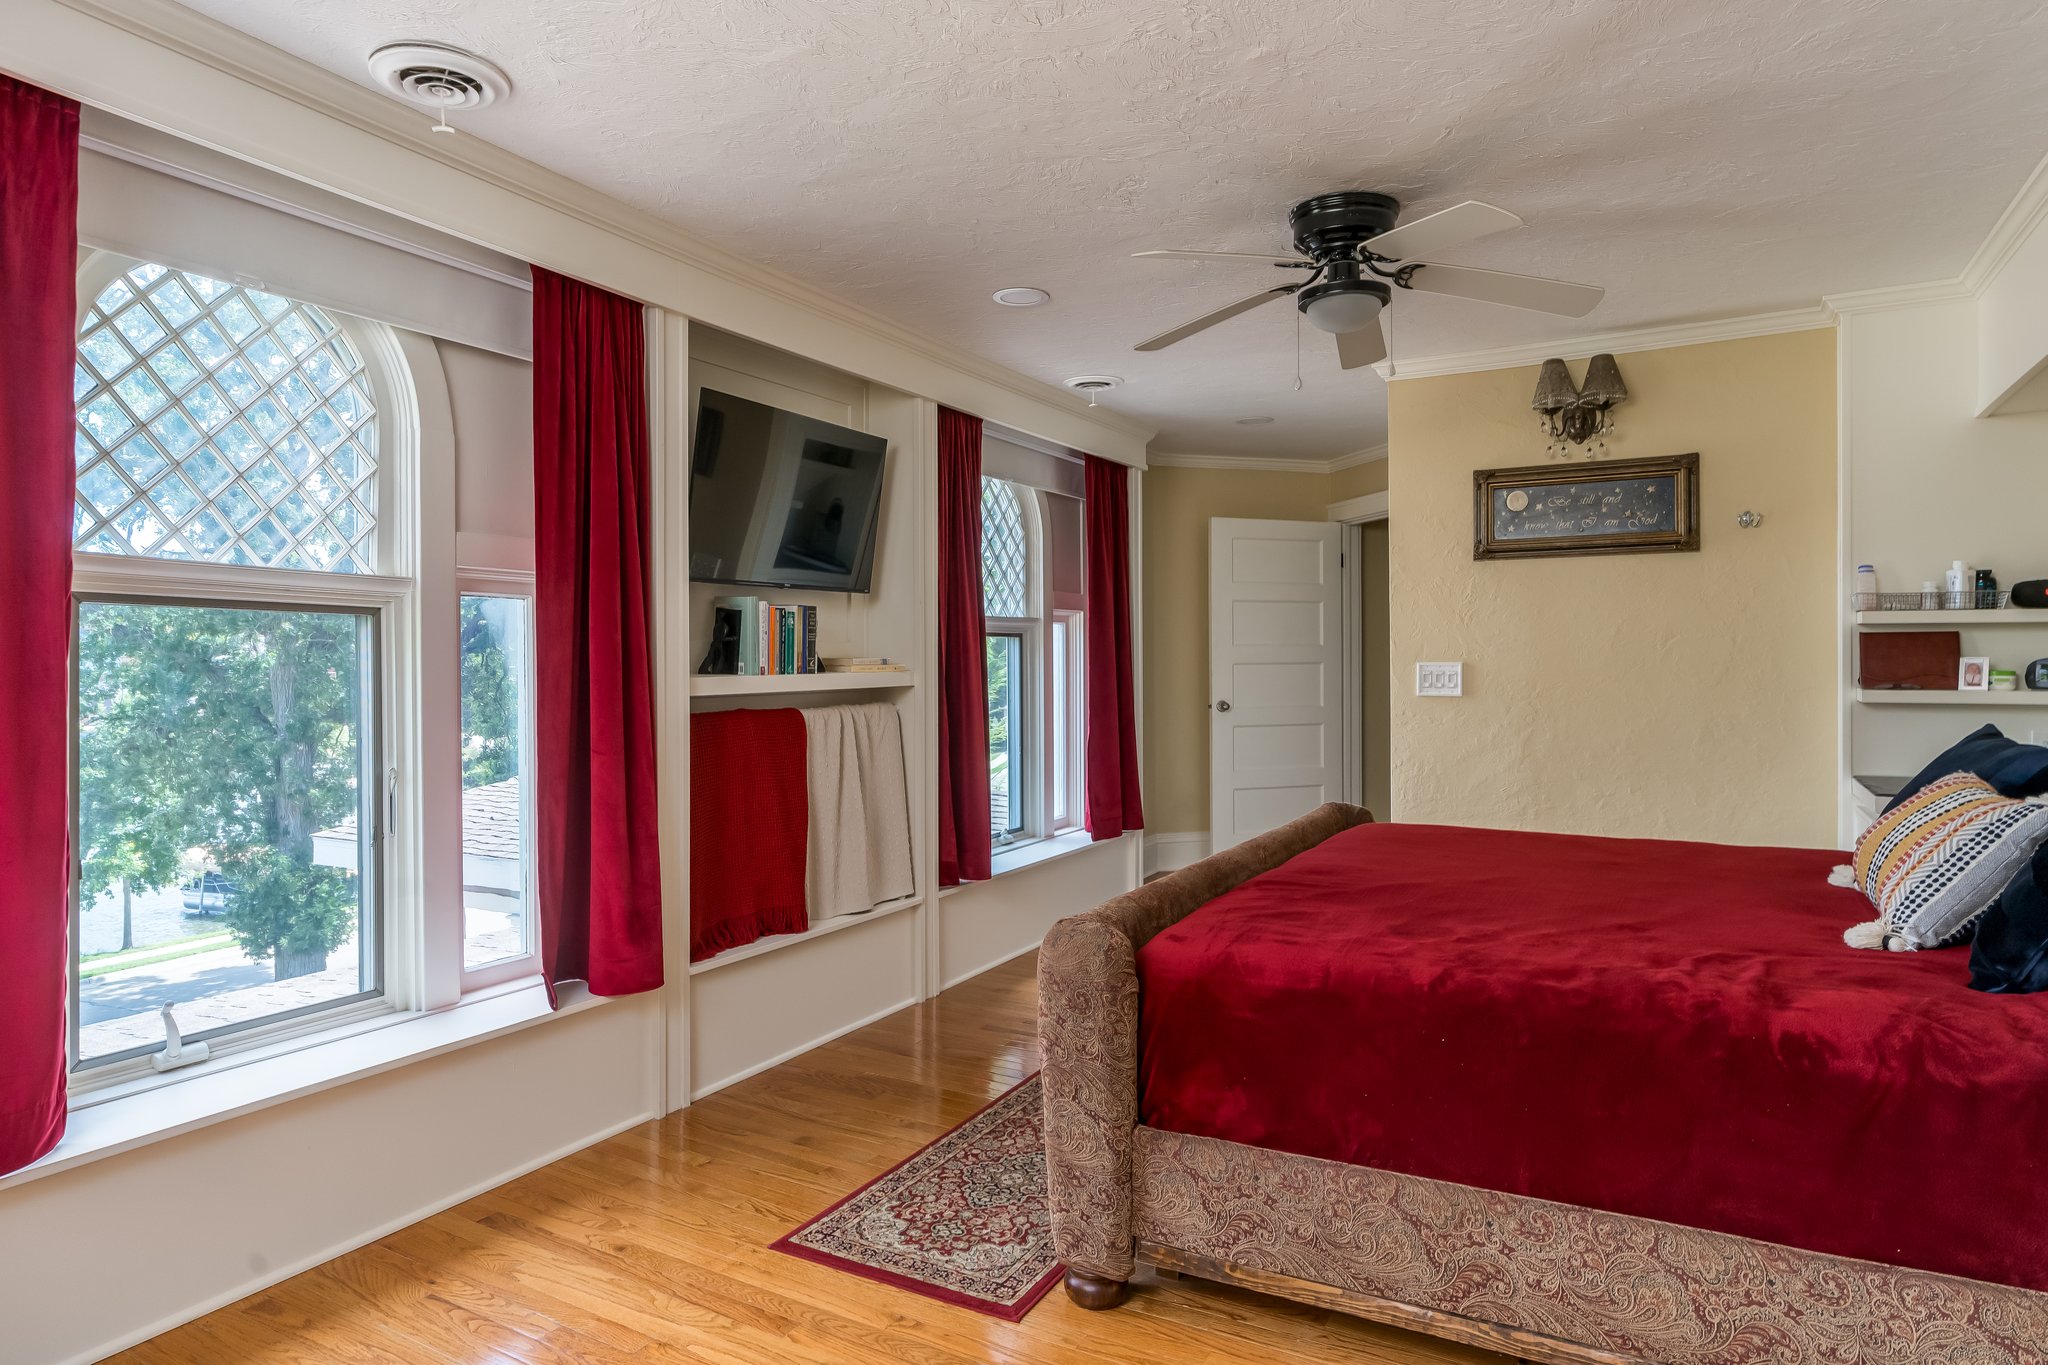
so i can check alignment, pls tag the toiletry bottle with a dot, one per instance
(1987, 590)
(1959, 585)
(1930, 596)
(1866, 587)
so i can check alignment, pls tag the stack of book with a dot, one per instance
(774, 639)
(877, 665)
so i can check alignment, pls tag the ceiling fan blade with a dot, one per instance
(1516, 291)
(1440, 231)
(1219, 256)
(1366, 346)
(1208, 320)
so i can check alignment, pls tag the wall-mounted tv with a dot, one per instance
(780, 500)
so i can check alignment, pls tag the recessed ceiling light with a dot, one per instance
(1021, 296)
(1253, 421)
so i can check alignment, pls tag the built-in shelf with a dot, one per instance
(795, 684)
(816, 931)
(2009, 616)
(1882, 697)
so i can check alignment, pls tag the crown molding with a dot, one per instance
(1246, 462)
(1620, 341)
(1898, 296)
(1358, 457)
(2021, 218)
(1263, 465)
(231, 52)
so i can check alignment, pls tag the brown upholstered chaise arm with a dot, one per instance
(1088, 1031)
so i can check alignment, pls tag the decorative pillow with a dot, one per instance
(1935, 863)
(2011, 952)
(2012, 768)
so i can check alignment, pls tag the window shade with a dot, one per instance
(1003, 458)
(156, 198)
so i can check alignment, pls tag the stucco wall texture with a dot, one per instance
(1680, 696)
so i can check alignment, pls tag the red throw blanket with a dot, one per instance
(1668, 1030)
(749, 809)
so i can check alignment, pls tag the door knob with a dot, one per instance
(1222, 706)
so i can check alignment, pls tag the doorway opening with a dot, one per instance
(1368, 664)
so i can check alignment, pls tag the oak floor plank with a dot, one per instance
(652, 1248)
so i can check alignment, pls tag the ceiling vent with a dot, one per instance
(1093, 384)
(436, 76)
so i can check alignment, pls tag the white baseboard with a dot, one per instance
(790, 1054)
(1171, 852)
(277, 1275)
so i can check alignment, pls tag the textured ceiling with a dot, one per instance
(1699, 158)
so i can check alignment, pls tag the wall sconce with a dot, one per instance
(1573, 414)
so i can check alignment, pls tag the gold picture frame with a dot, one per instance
(1606, 507)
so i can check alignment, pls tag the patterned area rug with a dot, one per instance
(964, 1221)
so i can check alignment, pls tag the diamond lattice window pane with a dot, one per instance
(1004, 552)
(288, 401)
(174, 368)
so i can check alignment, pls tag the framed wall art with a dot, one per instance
(1607, 507)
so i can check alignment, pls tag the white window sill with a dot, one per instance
(112, 1126)
(1031, 855)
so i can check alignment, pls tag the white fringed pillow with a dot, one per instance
(1933, 864)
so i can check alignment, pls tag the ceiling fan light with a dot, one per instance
(1341, 311)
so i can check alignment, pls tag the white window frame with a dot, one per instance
(515, 583)
(1031, 790)
(413, 602)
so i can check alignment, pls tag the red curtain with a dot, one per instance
(600, 870)
(964, 842)
(38, 340)
(750, 844)
(1114, 803)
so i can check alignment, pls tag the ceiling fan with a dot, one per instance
(1356, 258)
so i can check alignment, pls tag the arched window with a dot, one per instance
(1005, 552)
(220, 423)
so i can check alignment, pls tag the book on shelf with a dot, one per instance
(775, 638)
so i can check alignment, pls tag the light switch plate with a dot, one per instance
(1440, 680)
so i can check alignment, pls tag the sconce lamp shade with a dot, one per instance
(1554, 388)
(1603, 387)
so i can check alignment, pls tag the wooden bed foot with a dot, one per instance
(1087, 1291)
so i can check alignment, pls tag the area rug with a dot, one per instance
(965, 1221)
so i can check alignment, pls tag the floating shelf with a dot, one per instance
(1879, 697)
(794, 684)
(2009, 616)
(818, 930)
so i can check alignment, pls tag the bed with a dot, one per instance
(1579, 1100)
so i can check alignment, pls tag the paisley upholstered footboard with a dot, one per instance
(1548, 1282)
(1088, 1029)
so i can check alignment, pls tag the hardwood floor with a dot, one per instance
(653, 1246)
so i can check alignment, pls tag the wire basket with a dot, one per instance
(1937, 600)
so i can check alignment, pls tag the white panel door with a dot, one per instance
(1276, 718)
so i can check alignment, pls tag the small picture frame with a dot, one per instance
(1973, 674)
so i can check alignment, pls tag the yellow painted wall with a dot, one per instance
(1668, 695)
(1178, 504)
(1359, 480)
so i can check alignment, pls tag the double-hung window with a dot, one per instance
(237, 589)
(1031, 599)
(298, 779)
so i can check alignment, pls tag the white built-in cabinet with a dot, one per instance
(754, 1006)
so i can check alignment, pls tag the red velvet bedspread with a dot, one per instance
(1668, 1030)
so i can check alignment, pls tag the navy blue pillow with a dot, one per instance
(2012, 768)
(2011, 953)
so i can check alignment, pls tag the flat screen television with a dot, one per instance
(780, 500)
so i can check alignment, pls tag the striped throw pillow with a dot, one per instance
(1936, 862)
